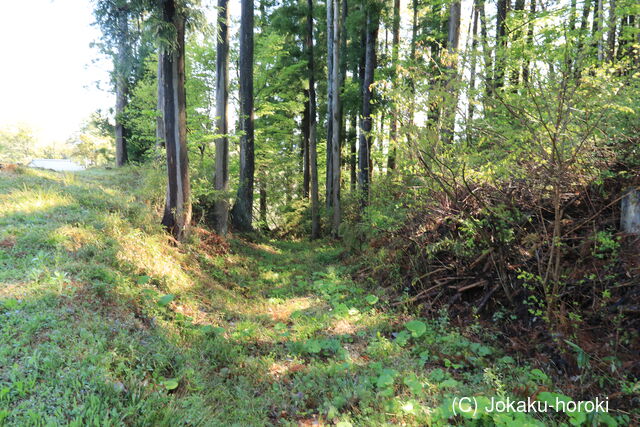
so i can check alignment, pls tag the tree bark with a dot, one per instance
(263, 202)
(501, 43)
(600, 35)
(412, 54)
(313, 152)
(364, 155)
(572, 15)
(353, 152)
(526, 65)
(611, 35)
(177, 212)
(122, 86)
(393, 132)
(472, 72)
(242, 211)
(517, 36)
(335, 127)
(584, 23)
(306, 176)
(343, 74)
(450, 105)
(330, 90)
(160, 105)
(486, 50)
(596, 29)
(221, 206)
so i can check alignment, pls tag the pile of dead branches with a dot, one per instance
(488, 251)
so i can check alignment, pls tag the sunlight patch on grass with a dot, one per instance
(31, 201)
(149, 254)
(281, 310)
(72, 237)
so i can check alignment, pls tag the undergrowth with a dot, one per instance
(105, 322)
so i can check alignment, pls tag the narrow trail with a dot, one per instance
(105, 322)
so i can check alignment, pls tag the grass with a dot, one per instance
(104, 322)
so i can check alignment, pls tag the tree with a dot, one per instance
(472, 67)
(451, 64)
(313, 152)
(393, 133)
(335, 118)
(177, 211)
(306, 173)
(17, 145)
(159, 107)
(501, 44)
(113, 16)
(122, 83)
(364, 154)
(330, 92)
(221, 207)
(611, 35)
(241, 214)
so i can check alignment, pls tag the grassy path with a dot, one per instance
(103, 322)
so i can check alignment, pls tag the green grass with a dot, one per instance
(103, 322)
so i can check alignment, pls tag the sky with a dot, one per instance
(48, 78)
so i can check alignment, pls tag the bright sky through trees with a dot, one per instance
(47, 78)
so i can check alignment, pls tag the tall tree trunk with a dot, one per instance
(343, 74)
(584, 23)
(263, 202)
(221, 206)
(517, 36)
(313, 152)
(486, 51)
(412, 56)
(242, 212)
(611, 35)
(364, 155)
(177, 211)
(501, 43)
(596, 29)
(526, 65)
(122, 86)
(160, 105)
(393, 131)
(450, 105)
(472, 72)
(306, 176)
(572, 15)
(335, 127)
(330, 90)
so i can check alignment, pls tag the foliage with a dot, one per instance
(17, 145)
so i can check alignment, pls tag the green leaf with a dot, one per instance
(165, 300)
(344, 424)
(417, 328)
(538, 376)
(413, 383)
(402, 338)
(386, 378)
(143, 280)
(577, 418)
(170, 384)
(371, 299)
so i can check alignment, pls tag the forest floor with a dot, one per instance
(105, 321)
